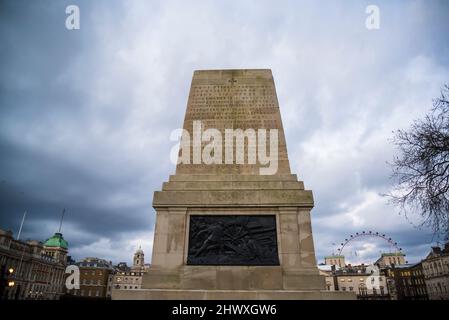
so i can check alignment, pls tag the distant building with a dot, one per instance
(359, 279)
(38, 268)
(70, 261)
(406, 282)
(326, 272)
(122, 267)
(95, 279)
(130, 278)
(335, 260)
(436, 273)
(390, 259)
(138, 261)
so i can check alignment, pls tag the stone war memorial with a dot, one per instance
(233, 222)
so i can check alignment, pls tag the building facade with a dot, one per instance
(138, 261)
(436, 273)
(130, 278)
(38, 269)
(406, 282)
(362, 279)
(335, 260)
(95, 279)
(389, 259)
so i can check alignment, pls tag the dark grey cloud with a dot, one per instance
(49, 160)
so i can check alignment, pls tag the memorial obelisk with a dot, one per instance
(237, 230)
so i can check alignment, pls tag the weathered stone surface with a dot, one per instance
(243, 99)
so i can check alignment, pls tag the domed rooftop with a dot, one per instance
(139, 250)
(56, 241)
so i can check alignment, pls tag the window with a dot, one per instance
(89, 293)
(351, 288)
(343, 288)
(97, 293)
(362, 289)
(82, 292)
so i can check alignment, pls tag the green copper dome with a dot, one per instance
(56, 241)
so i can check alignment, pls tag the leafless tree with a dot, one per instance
(421, 169)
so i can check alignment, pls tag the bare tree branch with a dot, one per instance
(421, 171)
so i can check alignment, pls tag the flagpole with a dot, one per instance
(18, 274)
(21, 225)
(60, 223)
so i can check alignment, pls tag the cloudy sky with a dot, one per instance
(85, 115)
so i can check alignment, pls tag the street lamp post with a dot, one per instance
(7, 282)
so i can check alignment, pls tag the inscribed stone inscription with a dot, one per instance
(235, 99)
(233, 240)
